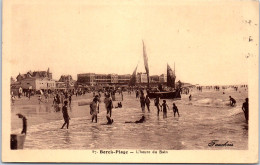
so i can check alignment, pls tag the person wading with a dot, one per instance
(94, 109)
(108, 104)
(65, 115)
(157, 104)
(245, 108)
(147, 102)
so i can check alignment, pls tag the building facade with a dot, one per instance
(65, 81)
(102, 79)
(37, 83)
(163, 78)
(86, 78)
(35, 74)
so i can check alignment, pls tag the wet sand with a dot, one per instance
(205, 118)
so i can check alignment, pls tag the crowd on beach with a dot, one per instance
(62, 100)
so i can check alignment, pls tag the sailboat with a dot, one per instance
(173, 93)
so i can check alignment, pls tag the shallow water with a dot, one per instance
(197, 126)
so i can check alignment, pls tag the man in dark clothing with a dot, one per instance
(245, 108)
(65, 115)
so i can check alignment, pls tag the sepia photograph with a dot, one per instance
(130, 81)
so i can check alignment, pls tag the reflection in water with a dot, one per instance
(192, 130)
(67, 137)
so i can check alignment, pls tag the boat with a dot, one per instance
(172, 93)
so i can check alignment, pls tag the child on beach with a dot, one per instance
(94, 109)
(175, 109)
(164, 107)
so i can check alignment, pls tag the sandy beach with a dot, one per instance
(204, 119)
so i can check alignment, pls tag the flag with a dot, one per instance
(133, 78)
(170, 77)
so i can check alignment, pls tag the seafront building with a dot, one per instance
(42, 80)
(93, 79)
(35, 80)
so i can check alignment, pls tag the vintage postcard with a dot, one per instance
(142, 81)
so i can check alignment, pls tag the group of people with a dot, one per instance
(164, 107)
(245, 107)
(144, 101)
(94, 107)
(60, 98)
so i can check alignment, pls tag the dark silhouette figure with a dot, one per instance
(119, 105)
(137, 121)
(147, 102)
(175, 109)
(109, 120)
(164, 107)
(24, 130)
(141, 120)
(157, 104)
(232, 101)
(65, 115)
(245, 108)
(94, 108)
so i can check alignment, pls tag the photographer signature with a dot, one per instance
(218, 144)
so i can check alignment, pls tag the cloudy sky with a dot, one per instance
(208, 41)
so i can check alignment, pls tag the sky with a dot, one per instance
(207, 41)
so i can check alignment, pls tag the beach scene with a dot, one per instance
(208, 116)
(133, 76)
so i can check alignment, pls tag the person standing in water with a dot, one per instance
(142, 101)
(147, 102)
(94, 108)
(109, 104)
(157, 104)
(70, 98)
(65, 115)
(245, 108)
(164, 107)
(175, 109)
(190, 97)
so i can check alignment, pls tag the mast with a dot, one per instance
(146, 65)
(170, 76)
